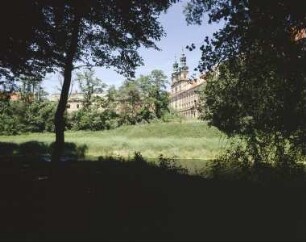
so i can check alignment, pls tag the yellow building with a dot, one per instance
(184, 95)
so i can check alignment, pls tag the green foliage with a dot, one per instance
(39, 117)
(238, 164)
(61, 34)
(30, 89)
(172, 116)
(257, 92)
(12, 117)
(22, 52)
(144, 99)
(92, 119)
(89, 85)
(136, 101)
(18, 117)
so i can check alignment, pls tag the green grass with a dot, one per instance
(187, 140)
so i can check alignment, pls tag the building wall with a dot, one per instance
(73, 106)
(75, 100)
(184, 95)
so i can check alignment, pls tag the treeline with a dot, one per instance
(136, 101)
(19, 116)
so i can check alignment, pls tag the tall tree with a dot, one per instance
(155, 95)
(261, 57)
(130, 102)
(144, 98)
(93, 32)
(159, 92)
(29, 88)
(25, 41)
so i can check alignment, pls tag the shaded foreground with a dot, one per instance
(117, 200)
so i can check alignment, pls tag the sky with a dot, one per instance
(178, 36)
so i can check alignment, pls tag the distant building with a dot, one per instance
(17, 96)
(184, 95)
(75, 100)
(12, 96)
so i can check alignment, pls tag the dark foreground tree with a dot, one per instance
(25, 43)
(260, 54)
(94, 32)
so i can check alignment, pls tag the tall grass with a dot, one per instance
(187, 140)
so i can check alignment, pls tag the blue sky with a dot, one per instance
(178, 36)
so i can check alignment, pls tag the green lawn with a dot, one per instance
(187, 140)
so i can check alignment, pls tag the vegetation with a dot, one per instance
(140, 100)
(93, 33)
(24, 42)
(186, 140)
(89, 85)
(20, 117)
(257, 92)
(136, 101)
(143, 99)
(112, 199)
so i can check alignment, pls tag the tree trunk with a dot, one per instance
(59, 121)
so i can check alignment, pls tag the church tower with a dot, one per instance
(180, 72)
(175, 73)
(184, 96)
(183, 68)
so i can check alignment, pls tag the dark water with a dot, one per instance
(194, 166)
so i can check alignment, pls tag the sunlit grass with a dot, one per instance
(187, 140)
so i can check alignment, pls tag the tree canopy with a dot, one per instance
(260, 58)
(60, 34)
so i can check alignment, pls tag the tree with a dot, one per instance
(63, 33)
(155, 95)
(25, 42)
(89, 85)
(144, 98)
(110, 33)
(130, 102)
(259, 93)
(110, 108)
(30, 89)
(159, 92)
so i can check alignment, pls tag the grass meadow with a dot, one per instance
(186, 140)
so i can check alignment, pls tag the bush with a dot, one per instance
(238, 163)
(18, 117)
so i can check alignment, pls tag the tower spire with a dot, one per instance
(175, 65)
(183, 60)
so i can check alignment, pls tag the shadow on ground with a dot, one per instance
(39, 151)
(113, 199)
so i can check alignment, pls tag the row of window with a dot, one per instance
(69, 106)
(190, 114)
(185, 105)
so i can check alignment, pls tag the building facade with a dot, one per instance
(184, 95)
(75, 100)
